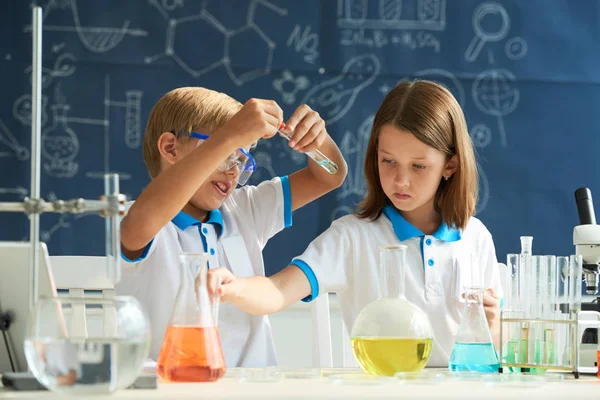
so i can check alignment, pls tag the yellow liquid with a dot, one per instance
(388, 356)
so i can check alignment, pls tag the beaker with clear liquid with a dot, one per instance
(391, 334)
(191, 350)
(474, 349)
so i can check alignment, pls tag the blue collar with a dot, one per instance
(184, 221)
(404, 230)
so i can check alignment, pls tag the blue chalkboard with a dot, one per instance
(525, 73)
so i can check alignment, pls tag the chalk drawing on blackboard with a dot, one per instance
(171, 5)
(306, 42)
(484, 191)
(481, 135)
(264, 164)
(496, 93)
(487, 32)
(334, 97)
(354, 149)
(288, 85)
(340, 211)
(133, 128)
(392, 14)
(20, 191)
(64, 66)
(294, 156)
(446, 79)
(515, 48)
(233, 42)
(133, 118)
(9, 146)
(385, 89)
(60, 144)
(22, 109)
(64, 221)
(94, 39)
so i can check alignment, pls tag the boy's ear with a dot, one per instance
(451, 167)
(167, 147)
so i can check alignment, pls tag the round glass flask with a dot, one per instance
(391, 334)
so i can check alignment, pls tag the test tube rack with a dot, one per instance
(539, 329)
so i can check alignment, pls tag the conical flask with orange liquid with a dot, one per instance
(191, 350)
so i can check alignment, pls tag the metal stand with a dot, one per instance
(111, 205)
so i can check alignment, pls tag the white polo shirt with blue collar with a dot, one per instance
(234, 237)
(345, 259)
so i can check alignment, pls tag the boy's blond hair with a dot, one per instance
(182, 111)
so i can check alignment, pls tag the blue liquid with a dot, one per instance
(474, 357)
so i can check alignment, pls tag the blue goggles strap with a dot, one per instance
(200, 136)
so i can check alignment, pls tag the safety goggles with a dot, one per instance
(241, 159)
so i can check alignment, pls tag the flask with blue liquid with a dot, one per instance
(474, 349)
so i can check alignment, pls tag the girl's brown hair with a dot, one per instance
(431, 113)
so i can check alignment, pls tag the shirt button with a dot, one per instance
(212, 252)
(430, 262)
(204, 230)
(428, 242)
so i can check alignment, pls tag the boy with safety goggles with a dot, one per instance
(197, 150)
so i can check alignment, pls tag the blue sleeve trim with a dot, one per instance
(141, 257)
(312, 279)
(287, 201)
(502, 303)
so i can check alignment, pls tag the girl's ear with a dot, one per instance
(167, 147)
(451, 167)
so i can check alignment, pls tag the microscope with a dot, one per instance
(586, 238)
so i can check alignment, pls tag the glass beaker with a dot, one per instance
(391, 334)
(74, 351)
(191, 350)
(474, 349)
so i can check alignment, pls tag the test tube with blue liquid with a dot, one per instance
(316, 155)
(474, 349)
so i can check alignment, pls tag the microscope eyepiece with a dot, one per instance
(585, 206)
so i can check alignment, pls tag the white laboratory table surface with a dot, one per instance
(587, 387)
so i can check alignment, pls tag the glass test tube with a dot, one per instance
(549, 306)
(316, 155)
(525, 294)
(112, 231)
(512, 303)
(536, 301)
(562, 312)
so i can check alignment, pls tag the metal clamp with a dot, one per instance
(33, 206)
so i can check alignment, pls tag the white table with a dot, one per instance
(588, 387)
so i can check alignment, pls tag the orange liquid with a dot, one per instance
(191, 354)
(598, 363)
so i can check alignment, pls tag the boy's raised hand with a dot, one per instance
(309, 129)
(257, 119)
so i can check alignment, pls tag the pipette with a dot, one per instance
(316, 155)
